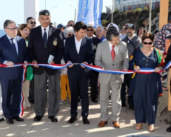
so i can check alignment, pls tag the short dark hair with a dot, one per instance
(29, 18)
(80, 25)
(148, 36)
(70, 21)
(111, 32)
(156, 32)
(7, 22)
(44, 12)
(145, 31)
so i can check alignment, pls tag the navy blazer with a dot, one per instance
(8, 53)
(85, 55)
(39, 52)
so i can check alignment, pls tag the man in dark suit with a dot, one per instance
(46, 46)
(12, 51)
(78, 49)
(93, 75)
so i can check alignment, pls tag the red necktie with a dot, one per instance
(113, 52)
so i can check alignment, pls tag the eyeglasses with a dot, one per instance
(146, 43)
(69, 35)
(71, 25)
(12, 29)
(33, 22)
(90, 30)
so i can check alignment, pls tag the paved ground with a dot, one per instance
(45, 128)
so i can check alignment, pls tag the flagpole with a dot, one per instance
(150, 10)
(113, 9)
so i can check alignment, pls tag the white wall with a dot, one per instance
(31, 9)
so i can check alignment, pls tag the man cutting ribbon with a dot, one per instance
(111, 55)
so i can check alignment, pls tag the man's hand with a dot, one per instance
(84, 63)
(25, 62)
(52, 62)
(35, 62)
(137, 69)
(9, 63)
(70, 66)
(125, 69)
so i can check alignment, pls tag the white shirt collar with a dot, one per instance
(47, 28)
(10, 37)
(77, 40)
(110, 46)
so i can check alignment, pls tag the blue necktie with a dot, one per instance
(13, 45)
(45, 37)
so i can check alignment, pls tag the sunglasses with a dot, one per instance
(71, 25)
(90, 30)
(12, 29)
(69, 35)
(146, 43)
(33, 22)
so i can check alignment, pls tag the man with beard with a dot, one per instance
(132, 42)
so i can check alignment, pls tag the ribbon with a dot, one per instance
(95, 68)
(92, 67)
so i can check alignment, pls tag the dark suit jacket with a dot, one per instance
(85, 55)
(40, 52)
(95, 41)
(8, 53)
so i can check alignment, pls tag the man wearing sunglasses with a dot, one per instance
(12, 51)
(31, 22)
(71, 23)
(132, 42)
(93, 75)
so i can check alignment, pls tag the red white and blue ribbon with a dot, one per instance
(95, 68)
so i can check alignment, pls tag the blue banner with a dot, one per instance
(89, 11)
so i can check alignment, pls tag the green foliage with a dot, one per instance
(145, 8)
(138, 10)
(104, 22)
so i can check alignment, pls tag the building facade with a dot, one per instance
(126, 5)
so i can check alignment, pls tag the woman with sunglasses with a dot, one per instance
(146, 87)
(24, 31)
(68, 32)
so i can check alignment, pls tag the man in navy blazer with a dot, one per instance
(78, 49)
(12, 51)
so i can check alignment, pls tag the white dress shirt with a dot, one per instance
(77, 44)
(110, 47)
(47, 31)
(14, 41)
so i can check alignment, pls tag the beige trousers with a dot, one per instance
(115, 86)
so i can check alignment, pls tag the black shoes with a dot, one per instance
(2, 119)
(168, 129)
(17, 118)
(38, 118)
(53, 119)
(123, 105)
(86, 121)
(72, 120)
(95, 101)
(10, 121)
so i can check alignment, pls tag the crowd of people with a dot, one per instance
(77, 43)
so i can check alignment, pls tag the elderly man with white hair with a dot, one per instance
(68, 32)
(99, 33)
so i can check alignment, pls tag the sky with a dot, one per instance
(14, 10)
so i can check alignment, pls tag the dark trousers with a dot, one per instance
(126, 83)
(79, 84)
(94, 87)
(11, 97)
(31, 91)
